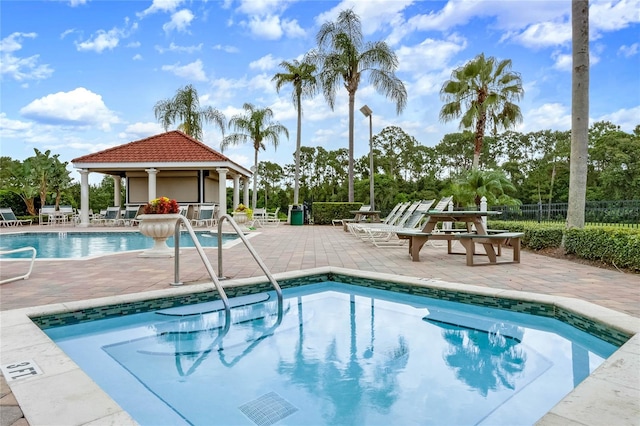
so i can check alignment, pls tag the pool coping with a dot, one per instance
(64, 394)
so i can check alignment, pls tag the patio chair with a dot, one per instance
(206, 216)
(9, 218)
(111, 217)
(271, 218)
(65, 213)
(50, 213)
(391, 219)
(259, 217)
(387, 236)
(129, 216)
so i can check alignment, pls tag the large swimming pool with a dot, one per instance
(333, 354)
(74, 245)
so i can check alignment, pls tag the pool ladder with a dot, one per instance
(183, 221)
(20, 250)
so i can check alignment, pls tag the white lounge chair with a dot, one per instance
(111, 217)
(387, 237)
(129, 216)
(9, 218)
(50, 213)
(206, 216)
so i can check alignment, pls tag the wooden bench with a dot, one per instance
(488, 241)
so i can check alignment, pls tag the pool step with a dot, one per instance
(216, 305)
(446, 319)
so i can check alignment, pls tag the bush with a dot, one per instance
(324, 213)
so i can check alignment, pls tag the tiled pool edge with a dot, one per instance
(609, 396)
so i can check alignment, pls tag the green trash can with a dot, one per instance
(297, 215)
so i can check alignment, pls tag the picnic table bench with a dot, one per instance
(468, 240)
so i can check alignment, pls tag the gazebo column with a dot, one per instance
(151, 191)
(84, 198)
(236, 191)
(116, 190)
(222, 190)
(245, 185)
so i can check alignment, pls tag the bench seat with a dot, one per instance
(468, 240)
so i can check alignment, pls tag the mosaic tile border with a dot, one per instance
(595, 328)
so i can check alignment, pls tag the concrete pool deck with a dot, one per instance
(293, 248)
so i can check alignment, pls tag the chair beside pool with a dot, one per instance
(111, 217)
(9, 218)
(129, 216)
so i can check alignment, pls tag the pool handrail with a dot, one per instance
(182, 220)
(19, 250)
(249, 247)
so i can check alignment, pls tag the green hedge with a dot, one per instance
(324, 213)
(614, 246)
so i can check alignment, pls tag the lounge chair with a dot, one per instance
(9, 218)
(50, 213)
(387, 236)
(111, 217)
(206, 216)
(392, 219)
(271, 218)
(129, 216)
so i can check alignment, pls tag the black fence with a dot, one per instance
(625, 213)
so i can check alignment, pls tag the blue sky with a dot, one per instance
(80, 76)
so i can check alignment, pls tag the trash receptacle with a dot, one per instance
(297, 215)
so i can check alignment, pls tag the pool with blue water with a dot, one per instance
(334, 353)
(76, 245)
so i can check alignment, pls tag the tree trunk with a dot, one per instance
(352, 99)
(579, 114)
(254, 196)
(296, 185)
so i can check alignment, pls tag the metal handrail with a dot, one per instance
(184, 221)
(249, 247)
(19, 250)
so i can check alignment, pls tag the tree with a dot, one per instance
(254, 125)
(579, 113)
(492, 184)
(302, 76)
(344, 57)
(185, 109)
(487, 90)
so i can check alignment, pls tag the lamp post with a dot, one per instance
(368, 113)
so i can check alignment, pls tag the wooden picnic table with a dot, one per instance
(417, 239)
(366, 215)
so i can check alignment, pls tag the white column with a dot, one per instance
(222, 190)
(245, 183)
(236, 190)
(84, 197)
(116, 190)
(152, 183)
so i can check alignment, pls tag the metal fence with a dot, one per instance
(624, 213)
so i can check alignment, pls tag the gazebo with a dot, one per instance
(170, 164)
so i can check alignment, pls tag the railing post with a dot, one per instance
(483, 208)
(539, 211)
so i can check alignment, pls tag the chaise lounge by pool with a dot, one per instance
(75, 384)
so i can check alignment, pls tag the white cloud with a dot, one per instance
(564, 61)
(545, 34)
(554, 116)
(74, 3)
(613, 15)
(180, 49)
(180, 21)
(228, 49)
(193, 71)
(21, 68)
(161, 6)
(12, 128)
(137, 131)
(627, 119)
(79, 107)
(267, 27)
(629, 51)
(430, 54)
(265, 63)
(102, 40)
(137, 57)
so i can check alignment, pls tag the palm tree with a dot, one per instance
(492, 184)
(185, 108)
(254, 125)
(487, 89)
(305, 84)
(579, 113)
(344, 57)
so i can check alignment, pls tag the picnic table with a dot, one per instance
(417, 239)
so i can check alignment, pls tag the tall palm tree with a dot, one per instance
(344, 57)
(302, 76)
(487, 89)
(185, 109)
(579, 113)
(492, 184)
(254, 125)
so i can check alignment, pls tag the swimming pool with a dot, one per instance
(74, 245)
(338, 354)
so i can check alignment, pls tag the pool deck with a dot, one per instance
(293, 248)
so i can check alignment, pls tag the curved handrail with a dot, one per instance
(183, 220)
(18, 250)
(249, 247)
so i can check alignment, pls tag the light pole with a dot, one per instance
(368, 113)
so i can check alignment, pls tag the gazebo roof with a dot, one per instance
(172, 150)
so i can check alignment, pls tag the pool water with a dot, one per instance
(73, 245)
(337, 354)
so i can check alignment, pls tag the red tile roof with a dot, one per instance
(170, 147)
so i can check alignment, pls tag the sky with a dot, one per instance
(80, 76)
